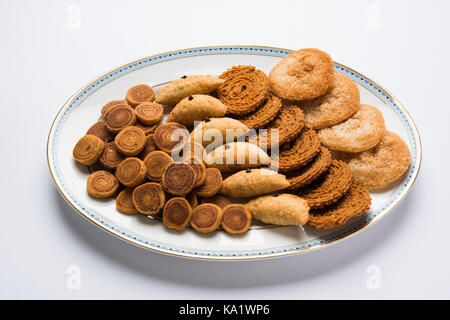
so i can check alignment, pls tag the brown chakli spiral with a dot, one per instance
(212, 185)
(140, 93)
(329, 187)
(124, 201)
(110, 104)
(102, 184)
(149, 112)
(236, 218)
(296, 153)
(157, 162)
(149, 198)
(170, 136)
(264, 114)
(244, 89)
(130, 141)
(150, 146)
(88, 149)
(354, 203)
(131, 172)
(218, 199)
(99, 130)
(177, 213)
(178, 179)
(111, 157)
(119, 117)
(206, 217)
(310, 171)
(288, 124)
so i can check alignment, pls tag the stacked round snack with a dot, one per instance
(219, 144)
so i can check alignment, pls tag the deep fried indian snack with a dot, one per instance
(111, 157)
(186, 86)
(177, 213)
(245, 88)
(131, 172)
(102, 184)
(124, 201)
(130, 141)
(206, 218)
(236, 218)
(110, 104)
(157, 162)
(150, 146)
(149, 113)
(88, 149)
(218, 200)
(212, 185)
(178, 179)
(100, 130)
(139, 94)
(170, 137)
(149, 198)
(119, 117)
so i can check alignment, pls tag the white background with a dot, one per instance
(49, 49)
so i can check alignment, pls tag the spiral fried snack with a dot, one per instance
(150, 146)
(111, 157)
(131, 172)
(193, 149)
(310, 171)
(212, 185)
(156, 163)
(149, 198)
(177, 213)
(178, 179)
(102, 184)
(328, 188)
(354, 203)
(124, 201)
(149, 113)
(119, 117)
(192, 199)
(264, 114)
(130, 141)
(284, 128)
(88, 149)
(218, 199)
(170, 137)
(199, 168)
(99, 130)
(110, 104)
(297, 153)
(243, 90)
(206, 218)
(147, 129)
(139, 94)
(236, 218)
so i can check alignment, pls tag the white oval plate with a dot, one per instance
(83, 109)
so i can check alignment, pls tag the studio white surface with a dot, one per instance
(52, 48)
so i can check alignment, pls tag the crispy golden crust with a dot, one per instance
(280, 209)
(264, 114)
(131, 172)
(206, 218)
(88, 149)
(310, 171)
(196, 107)
(284, 128)
(139, 94)
(149, 198)
(378, 167)
(102, 184)
(124, 202)
(339, 103)
(299, 152)
(218, 131)
(236, 218)
(235, 156)
(149, 113)
(181, 88)
(130, 141)
(244, 89)
(100, 130)
(332, 185)
(253, 182)
(213, 183)
(177, 213)
(362, 131)
(303, 74)
(354, 203)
